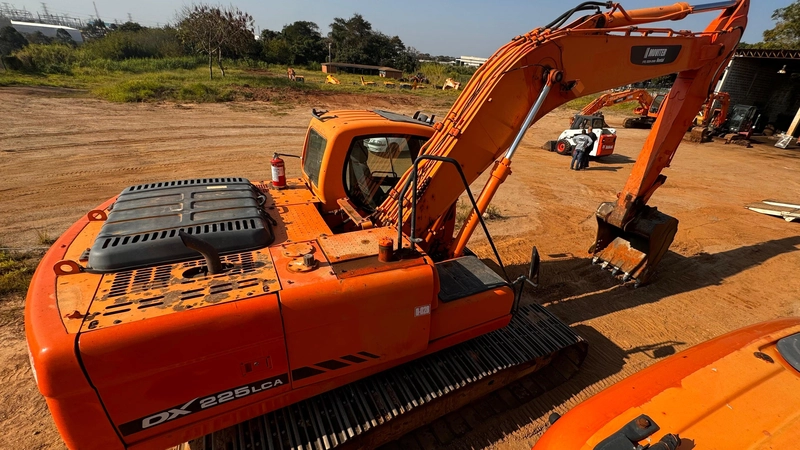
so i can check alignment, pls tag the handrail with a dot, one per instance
(414, 240)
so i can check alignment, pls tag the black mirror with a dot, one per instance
(533, 271)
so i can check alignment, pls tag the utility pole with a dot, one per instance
(130, 19)
(329, 51)
(97, 14)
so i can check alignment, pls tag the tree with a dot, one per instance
(95, 29)
(356, 42)
(129, 26)
(64, 38)
(305, 42)
(39, 38)
(786, 33)
(214, 30)
(350, 39)
(10, 41)
(274, 49)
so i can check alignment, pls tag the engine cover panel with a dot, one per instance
(143, 224)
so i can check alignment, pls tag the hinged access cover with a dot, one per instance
(143, 224)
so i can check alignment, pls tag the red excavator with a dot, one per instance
(312, 312)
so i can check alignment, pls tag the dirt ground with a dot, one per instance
(62, 154)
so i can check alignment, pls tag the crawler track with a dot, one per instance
(383, 407)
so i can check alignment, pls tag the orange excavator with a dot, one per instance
(313, 312)
(614, 98)
(713, 115)
(740, 390)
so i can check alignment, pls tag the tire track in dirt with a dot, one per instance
(148, 130)
(140, 141)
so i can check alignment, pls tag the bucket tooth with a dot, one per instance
(636, 248)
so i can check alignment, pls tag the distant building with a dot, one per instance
(361, 69)
(470, 61)
(434, 61)
(46, 29)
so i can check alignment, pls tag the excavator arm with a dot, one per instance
(543, 69)
(714, 117)
(613, 98)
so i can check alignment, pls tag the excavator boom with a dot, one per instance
(614, 98)
(547, 67)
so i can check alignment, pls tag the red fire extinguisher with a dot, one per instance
(278, 172)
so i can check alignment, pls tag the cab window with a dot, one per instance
(375, 164)
(312, 157)
(656, 106)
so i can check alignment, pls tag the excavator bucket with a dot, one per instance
(634, 250)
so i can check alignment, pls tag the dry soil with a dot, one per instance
(61, 154)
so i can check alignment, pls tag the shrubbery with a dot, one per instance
(47, 58)
(141, 65)
(145, 43)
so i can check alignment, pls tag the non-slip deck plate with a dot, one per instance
(139, 294)
(465, 276)
(343, 414)
(295, 192)
(356, 244)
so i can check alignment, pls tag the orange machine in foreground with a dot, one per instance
(738, 391)
(313, 314)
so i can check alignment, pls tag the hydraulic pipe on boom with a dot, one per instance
(500, 102)
(502, 170)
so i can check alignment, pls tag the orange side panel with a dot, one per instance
(167, 371)
(468, 312)
(191, 431)
(338, 326)
(715, 395)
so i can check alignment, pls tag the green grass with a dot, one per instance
(186, 80)
(43, 237)
(16, 270)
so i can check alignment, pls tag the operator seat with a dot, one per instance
(360, 175)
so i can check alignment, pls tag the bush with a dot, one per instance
(47, 58)
(12, 63)
(145, 43)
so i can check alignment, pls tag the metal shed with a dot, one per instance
(768, 80)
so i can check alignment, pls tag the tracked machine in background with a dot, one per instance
(738, 391)
(711, 118)
(647, 111)
(320, 312)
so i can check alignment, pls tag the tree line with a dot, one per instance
(350, 40)
(785, 34)
(218, 33)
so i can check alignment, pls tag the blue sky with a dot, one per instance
(439, 27)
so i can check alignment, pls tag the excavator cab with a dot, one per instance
(655, 107)
(352, 159)
(375, 164)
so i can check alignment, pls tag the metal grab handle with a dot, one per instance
(407, 184)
